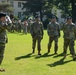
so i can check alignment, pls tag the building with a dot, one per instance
(3, 1)
(17, 4)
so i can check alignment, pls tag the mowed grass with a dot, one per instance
(18, 59)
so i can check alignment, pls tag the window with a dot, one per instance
(3, 1)
(19, 14)
(19, 4)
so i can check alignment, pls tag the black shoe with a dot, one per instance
(55, 53)
(48, 51)
(33, 51)
(39, 54)
(2, 70)
(74, 59)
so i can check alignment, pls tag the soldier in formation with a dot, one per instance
(69, 30)
(3, 36)
(37, 34)
(53, 31)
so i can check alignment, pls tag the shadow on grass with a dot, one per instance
(25, 56)
(43, 56)
(60, 62)
(60, 55)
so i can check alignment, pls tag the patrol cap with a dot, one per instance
(69, 17)
(36, 16)
(53, 17)
(2, 14)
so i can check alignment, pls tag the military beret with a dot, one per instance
(69, 17)
(2, 14)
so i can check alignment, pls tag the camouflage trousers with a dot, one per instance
(38, 40)
(51, 39)
(2, 48)
(70, 43)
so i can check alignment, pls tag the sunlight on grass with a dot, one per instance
(18, 59)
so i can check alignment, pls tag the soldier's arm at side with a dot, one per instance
(75, 31)
(42, 28)
(48, 29)
(31, 29)
(59, 30)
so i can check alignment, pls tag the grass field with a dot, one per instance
(18, 59)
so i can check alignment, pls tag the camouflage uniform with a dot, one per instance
(53, 31)
(37, 34)
(69, 31)
(3, 40)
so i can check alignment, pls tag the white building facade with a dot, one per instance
(17, 4)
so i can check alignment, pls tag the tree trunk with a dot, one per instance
(73, 10)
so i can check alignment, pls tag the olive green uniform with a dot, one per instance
(53, 31)
(37, 34)
(69, 31)
(3, 40)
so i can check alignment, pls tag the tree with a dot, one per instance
(6, 7)
(34, 6)
(67, 7)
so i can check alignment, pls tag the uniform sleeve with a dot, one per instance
(48, 29)
(31, 29)
(75, 31)
(59, 29)
(42, 29)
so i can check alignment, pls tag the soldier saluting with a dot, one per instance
(69, 30)
(37, 34)
(3, 36)
(53, 31)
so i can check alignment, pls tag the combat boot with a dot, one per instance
(48, 50)
(39, 53)
(33, 51)
(2, 70)
(55, 49)
(74, 57)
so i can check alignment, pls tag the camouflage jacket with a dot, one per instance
(53, 29)
(3, 35)
(69, 31)
(37, 29)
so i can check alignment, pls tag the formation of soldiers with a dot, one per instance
(53, 31)
(19, 26)
(37, 31)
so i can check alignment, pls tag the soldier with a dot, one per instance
(53, 31)
(37, 34)
(3, 36)
(69, 30)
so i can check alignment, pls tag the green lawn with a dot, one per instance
(18, 59)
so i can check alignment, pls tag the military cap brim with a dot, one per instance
(36, 16)
(69, 17)
(2, 14)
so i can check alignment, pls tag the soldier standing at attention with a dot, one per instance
(53, 31)
(3, 37)
(37, 34)
(69, 30)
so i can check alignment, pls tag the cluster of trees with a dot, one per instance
(45, 7)
(6, 7)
